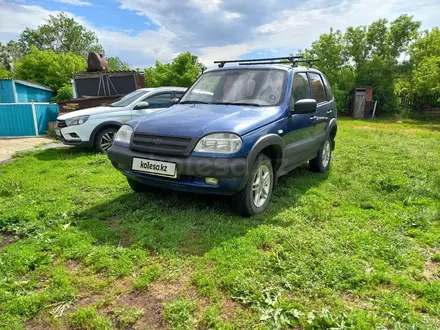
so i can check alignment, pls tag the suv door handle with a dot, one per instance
(329, 111)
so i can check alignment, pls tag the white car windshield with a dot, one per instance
(128, 99)
(255, 87)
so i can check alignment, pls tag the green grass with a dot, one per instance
(357, 248)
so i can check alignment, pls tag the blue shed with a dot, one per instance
(19, 91)
(25, 108)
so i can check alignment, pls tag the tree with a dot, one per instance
(367, 56)
(9, 53)
(425, 63)
(49, 68)
(183, 71)
(5, 73)
(61, 34)
(116, 64)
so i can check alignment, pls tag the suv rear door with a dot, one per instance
(325, 100)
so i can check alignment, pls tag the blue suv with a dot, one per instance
(234, 132)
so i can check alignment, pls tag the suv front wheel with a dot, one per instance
(255, 196)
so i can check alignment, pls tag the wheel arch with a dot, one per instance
(271, 145)
(331, 131)
(100, 127)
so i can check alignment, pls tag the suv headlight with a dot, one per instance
(77, 120)
(221, 143)
(124, 134)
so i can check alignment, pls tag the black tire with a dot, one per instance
(103, 136)
(321, 163)
(244, 201)
(137, 186)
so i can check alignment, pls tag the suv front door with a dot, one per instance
(301, 131)
(155, 102)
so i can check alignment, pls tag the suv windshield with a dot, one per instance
(257, 87)
(128, 99)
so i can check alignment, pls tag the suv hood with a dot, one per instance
(197, 120)
(89, 112)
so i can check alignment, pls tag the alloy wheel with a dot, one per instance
(261, 186)
(107, 140)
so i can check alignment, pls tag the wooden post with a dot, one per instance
(374, 109)
(34, 114)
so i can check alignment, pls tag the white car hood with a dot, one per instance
(89, 111)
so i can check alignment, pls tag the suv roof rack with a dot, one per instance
(294, 60)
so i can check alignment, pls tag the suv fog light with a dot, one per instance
(211, 181)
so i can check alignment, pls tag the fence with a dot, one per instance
(427, 104)
(26, 119)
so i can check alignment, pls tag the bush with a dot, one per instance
(64, 93)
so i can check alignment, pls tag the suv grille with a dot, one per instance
(61, 124)
(163, 144)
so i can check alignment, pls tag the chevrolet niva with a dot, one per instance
(234, 132)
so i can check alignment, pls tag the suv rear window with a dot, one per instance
(318, 92)
(328, 88)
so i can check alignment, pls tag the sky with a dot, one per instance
(143, 31)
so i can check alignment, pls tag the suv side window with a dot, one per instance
(159, 101)
(327, 88)
(300, 88)
(318, 92)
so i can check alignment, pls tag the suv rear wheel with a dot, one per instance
(321, 163)
(104, 139)
(255, 196)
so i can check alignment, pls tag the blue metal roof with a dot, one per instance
(29, 84)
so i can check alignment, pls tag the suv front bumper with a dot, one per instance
(191, 171)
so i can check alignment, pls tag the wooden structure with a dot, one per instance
(361, 102)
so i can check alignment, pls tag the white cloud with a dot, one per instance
(207, 6)
(219, 29)
(298, 28)
(232, 15)
(75, 2)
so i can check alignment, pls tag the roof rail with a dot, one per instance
(291, 59)
(294, 60)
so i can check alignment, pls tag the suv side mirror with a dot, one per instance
(175, 100)
(304, 106)
(141, 105)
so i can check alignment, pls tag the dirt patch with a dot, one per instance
(125, 239)
(6, 239)
(148, 302)
(72, 265)
(431, 271)
(229, 309)
(38, 324)
(190, 245)
(353, 301)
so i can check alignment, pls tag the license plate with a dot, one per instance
(154, 167)
(57, 132)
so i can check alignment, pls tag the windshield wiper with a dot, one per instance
(193, 102)
(239, 103)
